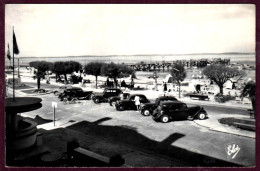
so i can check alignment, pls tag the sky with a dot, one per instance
(122, 29)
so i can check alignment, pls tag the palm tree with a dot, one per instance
(178, 74)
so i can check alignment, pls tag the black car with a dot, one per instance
(112, 100)
(103, 96)
(75, 92)
(177, 110)
(130, 103)
(147, 108)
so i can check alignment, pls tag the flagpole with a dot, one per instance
(13, 67)
(18, 69)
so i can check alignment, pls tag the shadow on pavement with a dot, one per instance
(39, 120)
(130, 136)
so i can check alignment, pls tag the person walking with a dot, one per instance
(165, 87)
(132, 84)
(137, 102)
(123, 84)
(108, 83)
(121, 96)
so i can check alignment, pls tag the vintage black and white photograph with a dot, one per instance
(130, 85)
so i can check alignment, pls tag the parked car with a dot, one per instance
(41, 90)
(103, 96)
(61, 89)
(113, 100)
(177, 110)
(147, 108)
(130, 103)
(75, 92)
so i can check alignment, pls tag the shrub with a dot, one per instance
(223, 98)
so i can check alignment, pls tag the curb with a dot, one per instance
(26, 94)
(216, 130)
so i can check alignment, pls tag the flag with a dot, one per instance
(8, 53)
(15, 46)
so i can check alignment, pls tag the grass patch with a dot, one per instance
(244, 124)
(20, 87)
(32, 91)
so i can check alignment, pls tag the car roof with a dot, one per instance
(167, 97)
(69, 86)
(137, 95)
(112, 89)
(171, 102)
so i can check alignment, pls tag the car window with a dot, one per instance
(132, 98)
(183, 106)
(174, 107)
(165, 106)
(180, 106)
(142, 98)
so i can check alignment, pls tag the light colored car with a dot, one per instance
(61, 89)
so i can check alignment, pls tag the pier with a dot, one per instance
(187, 63)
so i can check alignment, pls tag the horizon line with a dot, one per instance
(224, 53)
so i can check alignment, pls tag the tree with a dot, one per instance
(42, 67)
(65, 68)
(75, 66)
(93, 68)
(178, 74)
(58, 69)
(115, 71)
(249, 90)
(125, 71)
(220, 74)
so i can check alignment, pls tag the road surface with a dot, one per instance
(179, 139)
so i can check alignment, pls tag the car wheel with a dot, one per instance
(56, 93)
(201, 116)
(165, 118)
(155, 119)
(113, 104)
(96, 100)
(91, 96)
(146, 112)
(74, 101)
(121, 108)
(65, 100)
